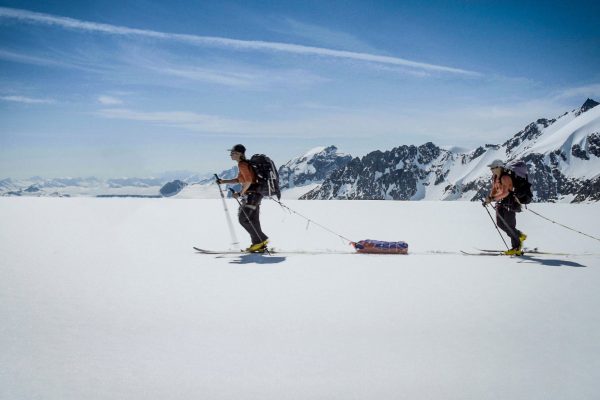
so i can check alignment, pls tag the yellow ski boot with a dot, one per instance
(513, 252)
(258, 247)
(522, 238)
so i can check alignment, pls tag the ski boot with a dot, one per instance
(513, 252)
(522, 238)
(258, 247)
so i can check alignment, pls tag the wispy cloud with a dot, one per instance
(592, 90)
(217, 71)
(236, 79)
(467, 125)
(109, 100)
(330, 125)
(28, 59)
(321, 35)
(238, 76)
(181, 119)
(63, 61)
(27, 100)
(234, 44)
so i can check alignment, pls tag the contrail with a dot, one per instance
(206, 41)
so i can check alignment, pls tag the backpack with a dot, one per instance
(517, 170)
(267, 175)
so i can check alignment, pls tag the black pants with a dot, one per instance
(506, 218)
(248, 215)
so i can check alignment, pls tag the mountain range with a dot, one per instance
(562, 153)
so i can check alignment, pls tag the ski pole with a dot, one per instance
(496, 225)
(234, 240)
(248, 218)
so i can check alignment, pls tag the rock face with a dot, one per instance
(314, 166)
(392, 175)
(172, 188)
(563, 156)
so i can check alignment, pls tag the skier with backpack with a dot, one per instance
(258, 177)
(510, 189)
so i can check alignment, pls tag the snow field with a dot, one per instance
(104, 298)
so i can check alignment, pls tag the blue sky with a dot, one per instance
(134, 88)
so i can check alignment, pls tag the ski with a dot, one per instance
(482, 253)
(217, 252)
(271, 251)
(275, 251)
(529, 251)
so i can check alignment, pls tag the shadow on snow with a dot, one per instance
(551, 262)
(257, 259)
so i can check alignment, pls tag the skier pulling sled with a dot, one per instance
(510, 190)
(258, 177)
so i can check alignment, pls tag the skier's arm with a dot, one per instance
(245, 187)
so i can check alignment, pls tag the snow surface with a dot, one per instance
(105, 299)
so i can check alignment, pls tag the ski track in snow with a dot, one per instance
(106, 299)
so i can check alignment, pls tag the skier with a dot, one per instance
(506, 207)
(248, 214)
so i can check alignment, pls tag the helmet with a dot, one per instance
(496, 164)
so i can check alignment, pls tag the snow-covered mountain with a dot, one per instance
(563, 155)
(205, 187)
(91, 186)
(67, 187)
(297, 176)
(7, 185)
(314, 166)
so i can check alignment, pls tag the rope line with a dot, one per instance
(564, 226)
(311, 221)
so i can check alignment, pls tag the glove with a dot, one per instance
(487, 201)
(236, 195)
(219, 181)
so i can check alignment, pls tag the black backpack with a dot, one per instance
(267, 176)
(517, 170)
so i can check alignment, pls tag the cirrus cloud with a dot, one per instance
(31, 17)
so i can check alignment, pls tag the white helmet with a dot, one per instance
(496, 164)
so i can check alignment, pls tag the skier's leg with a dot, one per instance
(254, 200)
(244, 219)
(249, 218)
(507, 221)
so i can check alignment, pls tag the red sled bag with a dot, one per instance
(369, 246)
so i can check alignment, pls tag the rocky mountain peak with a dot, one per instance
(563, 156)
(314, 166)
(588, 105)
